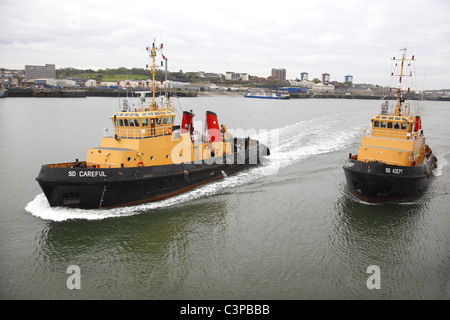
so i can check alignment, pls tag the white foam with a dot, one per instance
(442, 163)
(293, 143)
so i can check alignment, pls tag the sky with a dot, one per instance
(345, 37)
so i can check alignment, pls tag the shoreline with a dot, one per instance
(66, 93)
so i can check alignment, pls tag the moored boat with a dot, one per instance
(267, 95)
(393, 162)
(146, 157)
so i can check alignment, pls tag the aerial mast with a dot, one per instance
(153, 53)
(399, 89)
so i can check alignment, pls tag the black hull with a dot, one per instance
(94, 188)
(379, 182)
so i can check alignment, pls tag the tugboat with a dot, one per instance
(147, 157)
(393, 161)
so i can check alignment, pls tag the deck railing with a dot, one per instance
(136, 133)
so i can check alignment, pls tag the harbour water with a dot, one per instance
(285, 230)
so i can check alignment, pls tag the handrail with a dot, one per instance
(389, 133)
(137, 133)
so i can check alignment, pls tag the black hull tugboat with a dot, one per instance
(393, 161)
(148, 158)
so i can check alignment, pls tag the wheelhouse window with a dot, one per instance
(125, 121)
(396, 126)
(376, 124)
(145, 122)
(170, 120)
(389, 125)
(121, 122)
(404, 125)
(136, 122)
(383, 124)
(158, 121)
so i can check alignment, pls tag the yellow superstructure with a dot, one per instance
(393, 140)
(148, 136)
(145, 138)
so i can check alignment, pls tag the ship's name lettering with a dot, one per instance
(90, 174)
(394, 171)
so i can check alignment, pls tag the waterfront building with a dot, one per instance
(304, 76)
(279, 74)
(323, 88)
(325, 77)
(40, 72)
(236, 76)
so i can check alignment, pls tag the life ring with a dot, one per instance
(169, 130)
(140, 164)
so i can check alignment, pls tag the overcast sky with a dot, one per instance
(339, 37)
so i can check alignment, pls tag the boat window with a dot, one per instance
(389, 125)
(391, 118)
(378, 117)
(158, 121)
(136, 122)
(165, 120)
(121, 122)
(126, 114)
(152, 121)
(404, 125)
(396, 125)
(376, 124)
(125, 121)
(170, 120)
(383, 124)
(116, 123)
(145, 122)
(397, 118)
(383, 117)
(131, 123)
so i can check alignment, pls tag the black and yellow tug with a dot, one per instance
(148, 157)
(393, 161)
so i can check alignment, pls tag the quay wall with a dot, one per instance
(82, 93)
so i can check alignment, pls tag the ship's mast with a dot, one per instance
(153, 53)
(398, 107)
(153, 71)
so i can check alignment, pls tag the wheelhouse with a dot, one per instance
(143, 124)
(392, 126)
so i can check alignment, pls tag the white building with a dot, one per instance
(173, 85)
(323, 88)
(237, 76)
